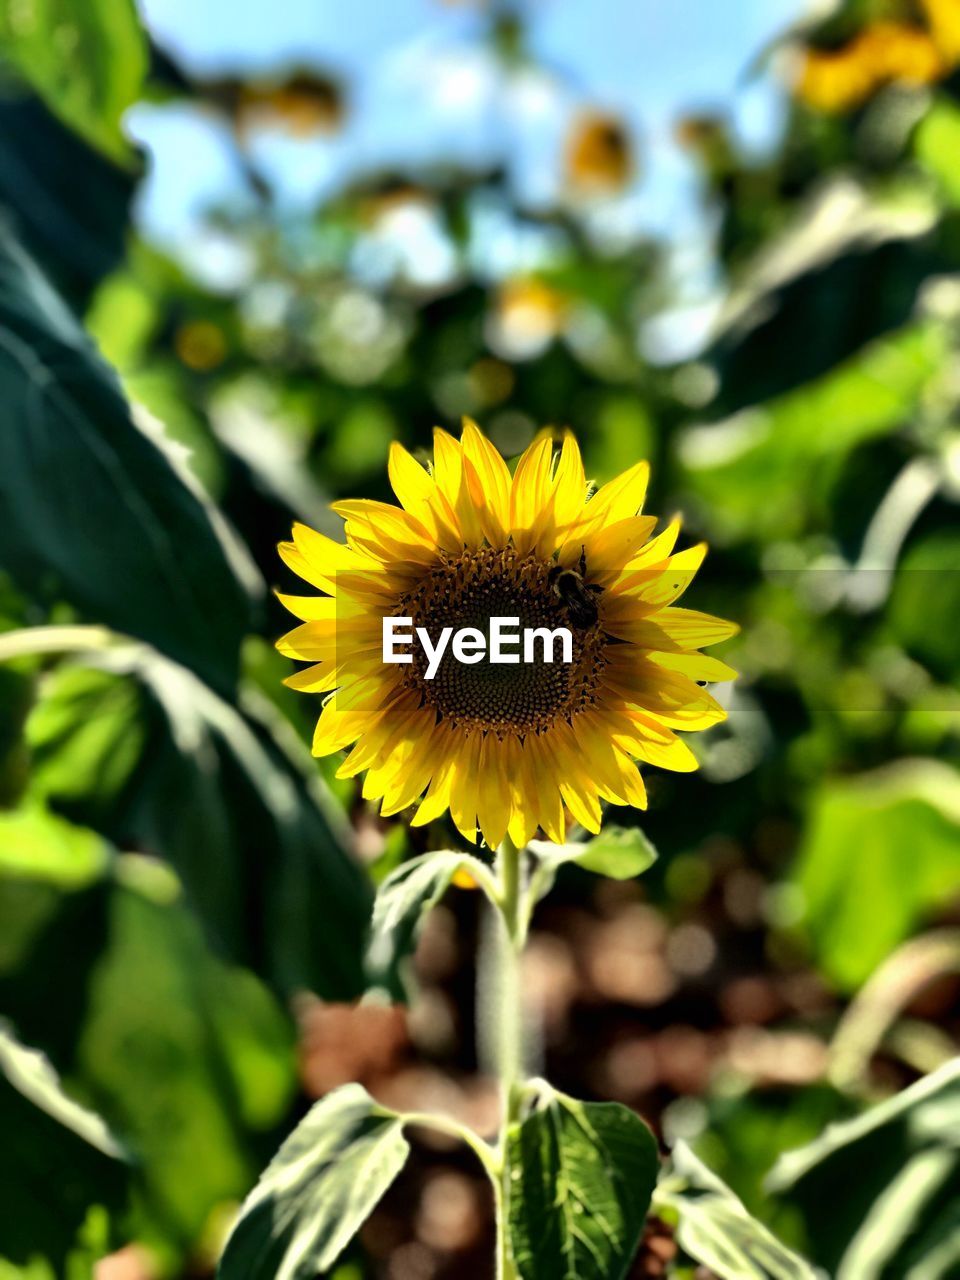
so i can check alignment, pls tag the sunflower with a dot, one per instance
(507, 749)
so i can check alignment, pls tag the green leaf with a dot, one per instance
(891, 1179)
(925, 601)
(87, 61)
(40, 845)
(716, 1230)
(880, 852)
(844, 267)
(581, 1177)
(57, 1161)
(402, 902)
(937, 144)
(621, 853)
(137, 748)
(70, 204)
(748, 466)
(97, 511)
(191, 1061)
(318, 1190)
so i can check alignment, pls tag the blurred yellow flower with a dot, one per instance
(200, 344)
(599, 158)
(528, 314)
(506, 748)
(943, 19)
(838, 80)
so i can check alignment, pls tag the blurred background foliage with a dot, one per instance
(184, 893)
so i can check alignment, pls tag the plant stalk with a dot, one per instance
(510, 932)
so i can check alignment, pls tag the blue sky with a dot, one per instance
(422, 85)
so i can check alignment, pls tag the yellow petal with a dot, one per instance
(437, 799)
(571, 482)
(488, 482)
(698, 666)
(450, 477)
(544, 786)
(693, 630)
(609, 549)
(661, 584)
(463, 792)
(620, 497)
(531, 492)
(418, 494)
(666, 695)
(493, 795)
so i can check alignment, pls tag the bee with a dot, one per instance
(579, 597)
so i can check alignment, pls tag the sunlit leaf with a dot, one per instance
(880, 1193)
(86, 60)
(715, 1229)
(880, 852)
(318, 1190)
(937, 142)
(403, 901)
(749, 465)
(621, 853)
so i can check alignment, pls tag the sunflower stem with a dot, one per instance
(510, 936)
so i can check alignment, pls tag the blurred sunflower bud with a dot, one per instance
(304, 104)
(599, 156)
(378, 202)
(200, 344)
(707, 138)
(528, 314)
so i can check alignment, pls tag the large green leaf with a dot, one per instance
(925, 601)
(937, 143)
(86, 60)
(317, 1191)
(581, 1177)
(57, 1162)
(881, 1194)
(750, 466)
(845, 268)
(137, 748)
(880, 852)
(70, 204)
(188, 1060)
(96, 510)
(715, 1229)
(54, 925)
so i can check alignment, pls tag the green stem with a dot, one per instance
(510, 934)
(36, 640)
(445, 1124)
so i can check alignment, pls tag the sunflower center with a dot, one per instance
(467, 591)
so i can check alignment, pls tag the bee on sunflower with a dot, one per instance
(506, 747)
